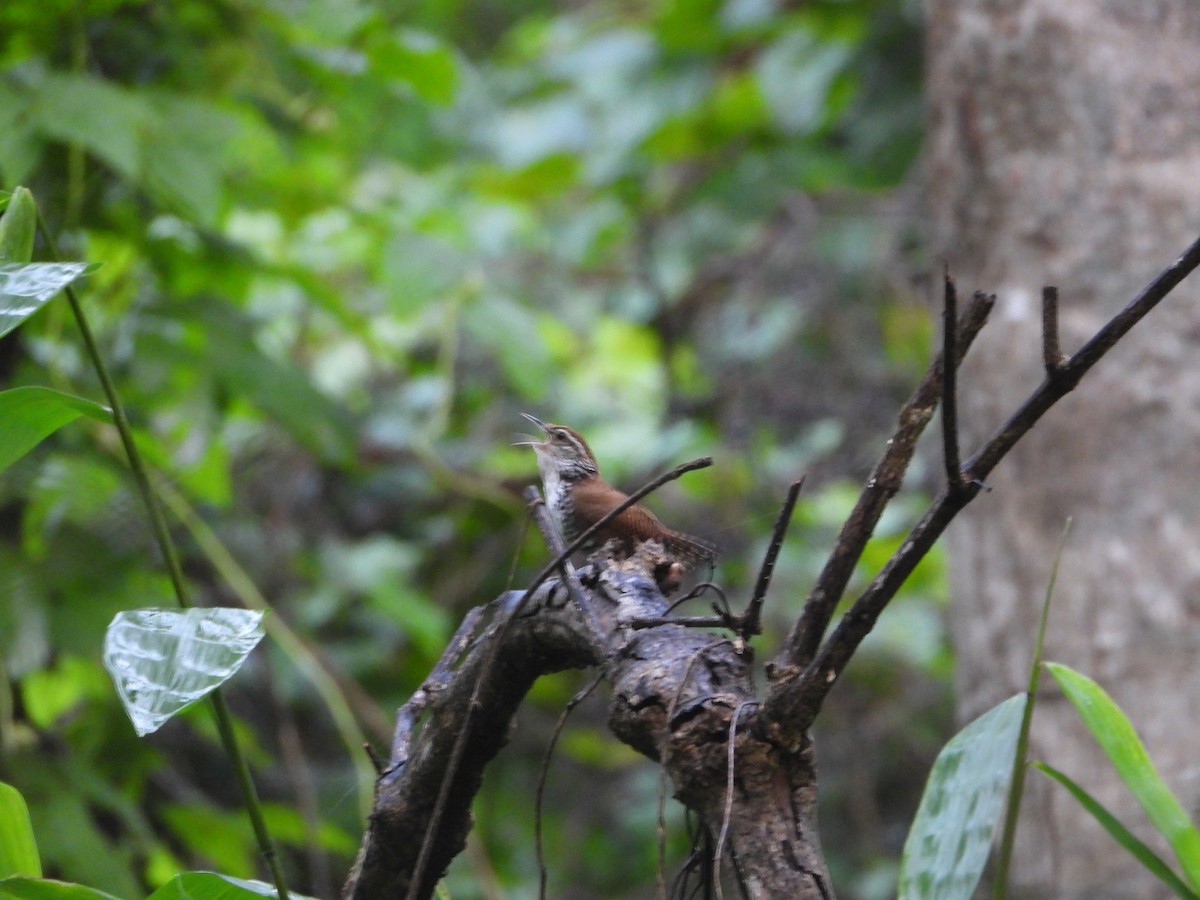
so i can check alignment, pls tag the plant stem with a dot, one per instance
(170, 557)
(1016, 785)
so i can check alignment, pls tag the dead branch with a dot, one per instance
(881, 486)
(493, 650)
(950, 457)
(1052, 358)
(408, 792)
(751, 623)
(801, 687)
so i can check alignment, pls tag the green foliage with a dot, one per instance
(948, 845)
(1122, 835)
(37, 889)
(18, 849)
(342, 248)
(17, 227)
(1113, 731)
(30, 414)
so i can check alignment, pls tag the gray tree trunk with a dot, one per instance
(1065, 150)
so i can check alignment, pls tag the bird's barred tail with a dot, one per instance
(692, 552)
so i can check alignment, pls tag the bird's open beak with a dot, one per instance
(532, 441)
(538, 422)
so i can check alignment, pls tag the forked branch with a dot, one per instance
(882, 485)
(802, 681)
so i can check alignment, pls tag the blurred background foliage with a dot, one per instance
(344, 245)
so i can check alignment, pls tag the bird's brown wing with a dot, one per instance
(635, 525)
(692, 552)
(638, 524)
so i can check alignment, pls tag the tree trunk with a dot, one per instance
(1065, 150)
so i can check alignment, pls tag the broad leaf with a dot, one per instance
(25, 288)
(45, 889)
(19, 144)
(98, 115)
(28, 415)
(210, 886)
(948, 845)
(18, 849)
(17, 227)
(1122, 835)
(1125, 750)
(162, 660)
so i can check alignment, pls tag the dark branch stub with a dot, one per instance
(797, 695)
(950, 383)
(1052, 356)
(751, 623)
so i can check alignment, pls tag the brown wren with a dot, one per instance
(577, 497)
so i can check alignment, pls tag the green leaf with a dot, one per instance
(947, 847)
(280, 389)
(30, 414)
(184, 155)
(73, 841)
(49, 693)
(420, 61)
(18, 227)
(796, 75)
(24, 289)
(19, 144)
(66, 489)
(163, 660)
(1147, 857)
(106, 120)
(39, 889)
(210, 886)
(1125, 750)
(18, 849)
(222, 837)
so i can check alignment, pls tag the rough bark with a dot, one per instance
(546, 638)
(1064, 149)
(676, 693)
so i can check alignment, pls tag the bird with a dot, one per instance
(577, 497)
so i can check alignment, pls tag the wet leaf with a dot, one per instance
(163, 660)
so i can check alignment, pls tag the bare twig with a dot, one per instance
(881, 486)
(751, 623)
(1070, 373)
(731, 755)
(1052, 357)
(796, 698)
(950, 455)
(698, 591)
(374, 757)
